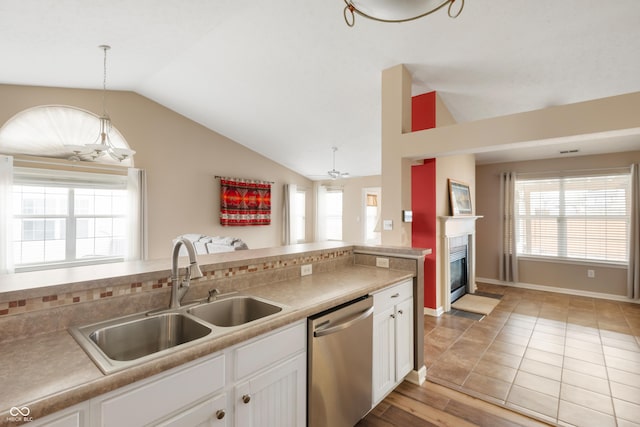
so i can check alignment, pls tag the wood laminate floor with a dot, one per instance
(538, 359)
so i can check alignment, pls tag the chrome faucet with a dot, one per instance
(192, 271)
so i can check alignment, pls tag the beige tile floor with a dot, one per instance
(566, 360)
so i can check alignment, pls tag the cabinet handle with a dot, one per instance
(396, 295)
(400, 312)
(393, 316)
(220, 414)
(246, 398)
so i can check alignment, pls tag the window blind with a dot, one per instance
(574, 217)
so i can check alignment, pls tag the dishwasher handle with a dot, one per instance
(344, 325)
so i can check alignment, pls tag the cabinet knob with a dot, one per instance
(400, 312)
(393, 316)
(246, 398)
(220, 414)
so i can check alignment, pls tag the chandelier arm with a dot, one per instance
(348, 9)
(353, 9)
(455, 15)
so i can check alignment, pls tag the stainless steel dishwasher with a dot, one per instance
(340, 364)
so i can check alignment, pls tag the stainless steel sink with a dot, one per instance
(138, 338)
(119, 343)
(126, 341)
(234, 311)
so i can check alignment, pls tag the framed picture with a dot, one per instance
(459, 198)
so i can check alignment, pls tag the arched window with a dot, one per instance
(76, 211)
(53, 131)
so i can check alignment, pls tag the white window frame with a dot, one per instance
(324, 217)
(371, 235)
(562, 216)
(72, 181)
(336, 218)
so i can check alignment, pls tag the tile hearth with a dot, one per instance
(565, 360)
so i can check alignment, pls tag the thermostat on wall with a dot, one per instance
(407, 216)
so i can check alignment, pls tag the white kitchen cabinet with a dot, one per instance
(275, 398)
(265, 386)
(392, 338)
(75, 416)
(271, 377)
(170, 394)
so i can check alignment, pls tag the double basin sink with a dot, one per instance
(126, 341)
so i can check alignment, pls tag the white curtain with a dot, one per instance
(289, 214)
(137, 192)
(633, 272)
(508, 259)
(6, 189)
(321, 213)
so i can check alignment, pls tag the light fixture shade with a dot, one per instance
(397, 10)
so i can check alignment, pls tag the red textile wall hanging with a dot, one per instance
(245, 202)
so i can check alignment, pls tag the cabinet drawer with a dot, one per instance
(143, 404)
(392, 295)
(210, 413)
(266, 351)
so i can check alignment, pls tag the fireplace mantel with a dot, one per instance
(452, 227)
(458, 225)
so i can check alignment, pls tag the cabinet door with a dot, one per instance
(274, 398)
(210, 413)
(75, 416)
(384, 355)
(404, 339)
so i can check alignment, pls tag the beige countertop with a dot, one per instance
(50, 372)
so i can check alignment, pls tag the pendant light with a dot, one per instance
(398, 10)
(102, 144)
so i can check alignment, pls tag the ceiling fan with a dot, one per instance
(333, 173)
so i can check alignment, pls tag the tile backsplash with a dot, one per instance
(65, 308)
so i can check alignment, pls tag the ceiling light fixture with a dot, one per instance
(102, 145)
(333, 173)
(397, 10)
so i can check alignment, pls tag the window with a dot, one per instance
(300, 216)
(574, 217)
(329, 214)
(333, 218)
(372, 235)
(68, 218)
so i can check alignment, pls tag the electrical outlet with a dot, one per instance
(306, 269)
(591, 274)
(382, 262)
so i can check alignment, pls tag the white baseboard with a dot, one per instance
(566, 291)
(417, 377)
(435, 312)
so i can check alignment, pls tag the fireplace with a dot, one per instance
(457, 259)
(458, 271)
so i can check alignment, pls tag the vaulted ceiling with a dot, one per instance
(290, 79)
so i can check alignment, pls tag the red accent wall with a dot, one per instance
(423, 111)
(423, 228)
(423, 195)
